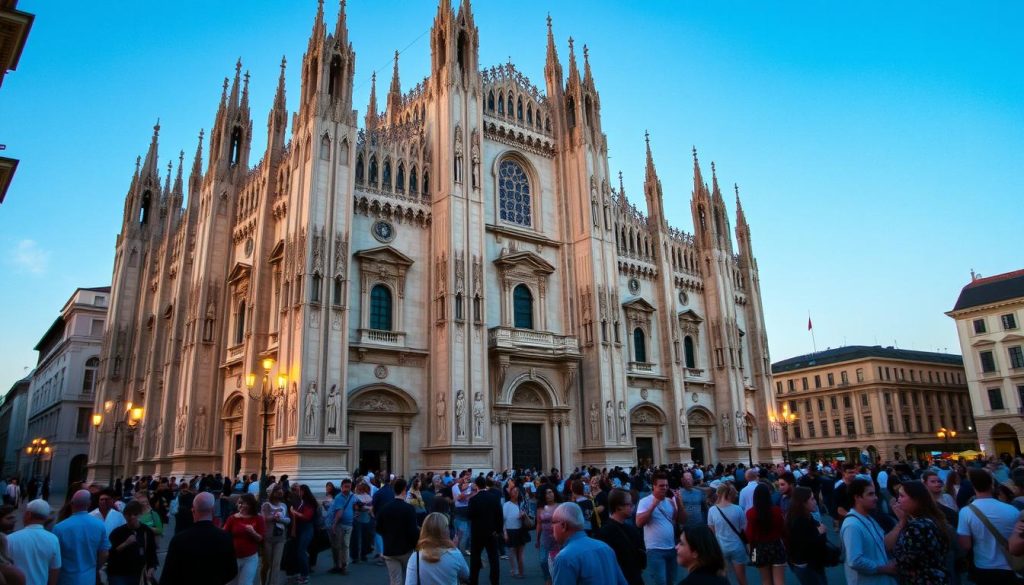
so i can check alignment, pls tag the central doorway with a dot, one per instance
(374, 452)
(697, 449)
(526, 446)
(645, 451)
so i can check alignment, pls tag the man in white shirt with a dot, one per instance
(975, 534)
(34, 550)
(108, 513)
(747, 493)
(658, 514)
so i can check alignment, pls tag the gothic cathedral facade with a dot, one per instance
(455, 284)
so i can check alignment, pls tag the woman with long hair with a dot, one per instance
(547, 499)
(276, 519)
(765, 529)
(513, 511)
(414, 496)
(728, 522)
(921, 539)
(303, 512)
(805, 545)
(699, 552)
(247, 529)
(436, 560)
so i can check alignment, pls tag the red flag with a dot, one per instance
(809, 326)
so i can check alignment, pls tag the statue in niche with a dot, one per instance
(293, 410)
(279, 421)
(741, 427)
(725, 427)
(332, 410)
(311, 404)
(622, 417)
(200, 440)
(460, 413)
(682, 424)
(609, 415)
(478, 415)
(211, 312)
(182, 416)
(442, 416)
(475, 159)
(458, 154)
(594, 416)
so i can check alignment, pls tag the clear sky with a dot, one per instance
(878, 145)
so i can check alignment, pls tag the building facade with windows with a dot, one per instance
(893, 403)
(451, 283)
(988, 314)
(13, 410)
(63, 388)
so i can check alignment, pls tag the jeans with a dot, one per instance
(247, 569)
(304, 533)
(462, 527)
(273, 548)
(542, 560)
(396, 566)
(808, 575)
(482, 543)
(340, 543)
(661, 562)
(362, 537)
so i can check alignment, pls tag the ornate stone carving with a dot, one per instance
(340, 255)
(318, 250)
(698, 419)
(182, 423)
(380, 372)
(478, 275)
(644, 393)
(442, 416)
(643, 417)
(199, 439)
(332, 416)
(460, 414)
(475, 158)
(622, 419)
(458, 153)
(377, 403)
(726, 428)
(741, 427)
(478, 415)
(594, 420)
(312, 399)
(460, 273)
(609, 415)
(293, 410)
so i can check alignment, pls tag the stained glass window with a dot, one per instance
(514, 194)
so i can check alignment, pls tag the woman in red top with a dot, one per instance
(765, 529)
(247, 529)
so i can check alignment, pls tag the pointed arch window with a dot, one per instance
(426, 183)
(413, 187)
(386, 179)
(511, 106)
(315, 288)
(240, 323)
(691, 360)
(522, 307)
(501, 103)
(639, 345)
(547, 124)
(144, 208)
(570, 112)
(325, 147)
(359, 169)
(235, 152)
(514, 197)
(334, 83)
(459, 316)
(380, 308)
(336, 297)
(519, 109)
(490, 101)
(400, 178)
(373, 170)
(529, 114)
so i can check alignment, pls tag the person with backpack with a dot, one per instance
(984, 528)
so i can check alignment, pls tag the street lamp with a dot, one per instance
(125, 415)
(38, 448)
(786, 420)
(946, 434)
(266, 395)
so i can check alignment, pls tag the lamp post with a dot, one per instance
(124, 415)
(946, 434)
(785, 420)
(266, 395)
(38, 448)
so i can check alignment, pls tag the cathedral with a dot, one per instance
(452, 283)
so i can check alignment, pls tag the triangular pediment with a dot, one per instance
(239, 272)
(277, 254)
(690, 315)
(528, 260)
(639, 304)
(1011, 337)
(385, 254)
(983, 343)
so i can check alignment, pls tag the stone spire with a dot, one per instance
(588, 78)
(279, 97)
(698, 178)
(195, 178)
(178, 184)
(245, 90)
(371, 108)
(622, 191)
(341, 27)
(149, 167)
(318, 23)
(651, 171)
(574, 73)
(233, 100)
(394, 104)
(552, 66)
(741, 220)
(652, 187)
(716, 194)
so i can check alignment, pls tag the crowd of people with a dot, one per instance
(907, 523)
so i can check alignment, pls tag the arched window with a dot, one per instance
(325, 147)
(459, 316)
(426, 183)
(359, 169)
(691, 361)
(519, 108)
(240, 323)
(315, 288)
(380, 308)
(413, 187)
(400, 179)
(334, 82)
(570, 112)
(144, 208)
(373, 170)
(522, 307)
(336, 297)
(92, 365)
(529, 114)
(511, 106)
(514, 194)
(490, 101)
(235, 152)
(639, 345)
(386, 179)
(501, 103)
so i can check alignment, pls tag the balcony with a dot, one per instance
(533, 343)
(235, 352)
(694, 373)
(380, 337)
(641, 367)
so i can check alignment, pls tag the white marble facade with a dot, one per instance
(451, 283)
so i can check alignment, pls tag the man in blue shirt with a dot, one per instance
(83, 543)
(582, 560)
(340, 517)
(867, 562)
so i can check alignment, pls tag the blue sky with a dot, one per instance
(878, 145)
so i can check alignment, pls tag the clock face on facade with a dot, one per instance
(383, 231)
(634, 286)
(682, 297)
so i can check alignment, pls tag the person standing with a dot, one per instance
(362, 528)
(275, 521)
(303, 512)
(867, 562)
(699, 552)
(694, 500)
(582, 560)
(516, 536)
(34, 550)
(984, 527)
(658, 514)
(841, 498)
(436, 560)
(83, 543)
(921, 541)
(728, 523)
(106, 512)
(624, 539)
(340, 518)
(805, 544)
(546, 546)
(462, 491)
(202, 554)
(765, 529)
(747, 492)
(132, 549)
(396, 524)
(247, 530)
(485, 524)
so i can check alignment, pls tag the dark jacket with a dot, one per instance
(201, 555)
(704, 577)
(132, 559)
(396, 524)
(485, 517)
(628, 544)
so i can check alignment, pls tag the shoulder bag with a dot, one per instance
(1016, 562)
(741, 535)
(527, 521)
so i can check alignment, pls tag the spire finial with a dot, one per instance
(238, 67)
(713, 176)
(549, 23)
(647, 139)
(622, 188)
(341, 27)
(694, 155)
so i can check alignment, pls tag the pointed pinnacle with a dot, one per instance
(694, 155)
(549, 23)
(622, 188)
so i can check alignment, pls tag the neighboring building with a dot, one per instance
(893, 403)
(13, 412)
(455, 284)
(60, 402)
(988, 317)
(14, 27)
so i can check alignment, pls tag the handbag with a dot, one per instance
(527, 521)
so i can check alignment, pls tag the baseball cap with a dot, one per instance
(38, 508)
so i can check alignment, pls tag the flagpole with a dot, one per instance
(810, 327)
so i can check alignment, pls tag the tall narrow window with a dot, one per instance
(691, 362)
(400, 179)
(514, 194)
(426, 183)
(325, 148)
(240, 323)
(522, 307)
(373, 171)
(639, 345)
(386, 179)
(236, 146)
(458, 307)
(334, 82)
(89, 380)
(490, 101)
(380, 308)
(477, 309)
(336, 297)
(413, 187)
(359, 169)
(316, 288)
